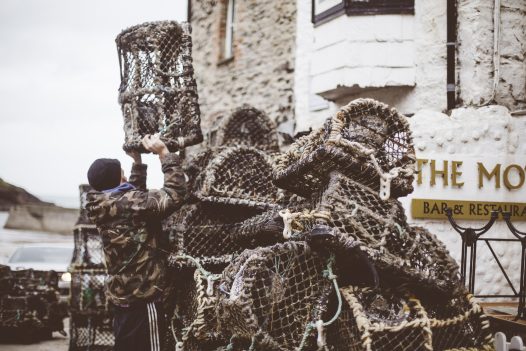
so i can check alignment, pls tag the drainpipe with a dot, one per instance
(451, 49)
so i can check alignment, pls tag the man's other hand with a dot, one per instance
(154, 144)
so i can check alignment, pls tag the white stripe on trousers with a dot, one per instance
(154, 329)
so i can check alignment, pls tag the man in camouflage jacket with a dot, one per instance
(128, 217)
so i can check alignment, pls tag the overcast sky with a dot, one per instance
(58, 88)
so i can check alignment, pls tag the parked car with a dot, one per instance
(45, 257)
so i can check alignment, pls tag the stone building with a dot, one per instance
(456, 68)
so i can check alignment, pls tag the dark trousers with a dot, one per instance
(140, 327)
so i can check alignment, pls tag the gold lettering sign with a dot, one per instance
(472, 210)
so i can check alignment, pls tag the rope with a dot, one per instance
(320, 325)
(290, 218)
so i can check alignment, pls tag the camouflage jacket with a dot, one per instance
(130, 226)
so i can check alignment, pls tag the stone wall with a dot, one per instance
(42, 218)
(261, 72)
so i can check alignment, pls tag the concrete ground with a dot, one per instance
(58, 343)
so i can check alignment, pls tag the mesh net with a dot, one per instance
(412, 255)
(245, 126)
(158, 92)
(374, 319)
(366, 140)
(91, 332)
(457, 322)
(87, 290)
(270, 295)
(239, 175)
(87, 252)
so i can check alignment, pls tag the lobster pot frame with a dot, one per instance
(31, 280)
(88, 251)
(203, 231)
(194, 319)
(92, 332)
(457, 322)
(271, 295)
(413, 256)
(158, 92)
(240, 175)
(366, 140)
(376, 320)
(248, 126)
(87, 291)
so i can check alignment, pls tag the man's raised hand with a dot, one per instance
(154, 144)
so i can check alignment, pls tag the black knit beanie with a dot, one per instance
(104, 174)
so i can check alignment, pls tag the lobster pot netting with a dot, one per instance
(158, 92)
(457, 322)
(246, 126)
(240, 175)
(379, 319)
(30, 280)
(88, 251)
(273, 294)
(91, 332)
(366, 140)
(87, 290)
(203, 231)
(414, 256)
(194, 321)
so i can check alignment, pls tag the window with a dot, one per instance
(227, 30)
(325, 10)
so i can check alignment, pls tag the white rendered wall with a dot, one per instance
(488, 133)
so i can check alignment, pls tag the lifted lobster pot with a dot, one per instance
(246, 125)
(158, 93)
(366, 140)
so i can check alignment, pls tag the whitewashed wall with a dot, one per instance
(485, 134)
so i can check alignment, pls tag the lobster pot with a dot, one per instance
(248, 126)
(30, 280)
(366, 140)
(88, 251)
(87, 290)
(376, 320)
(204, 231)
(92, 332)
(271, 295)
(195, 322)
(83, 215)
(239, 175)
(413, 256)
(158, 93)
(457, 322)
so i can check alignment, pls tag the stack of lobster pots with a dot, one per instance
(91, 320)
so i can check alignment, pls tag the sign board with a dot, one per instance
(471, 187)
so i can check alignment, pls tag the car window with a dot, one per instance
(42, 254)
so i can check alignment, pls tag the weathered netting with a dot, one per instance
(87, 290)
(158, 93)
(30, 300)
(413, 255)
(239, 175)
(90, 319)
(271, 296)
(457, 323)
(393, 319)
(248, 126)
(380, 319)
(366, 140)
(93, 332)
(87, 252)
(203, 231)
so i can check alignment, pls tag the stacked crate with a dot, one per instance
(91, 319)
